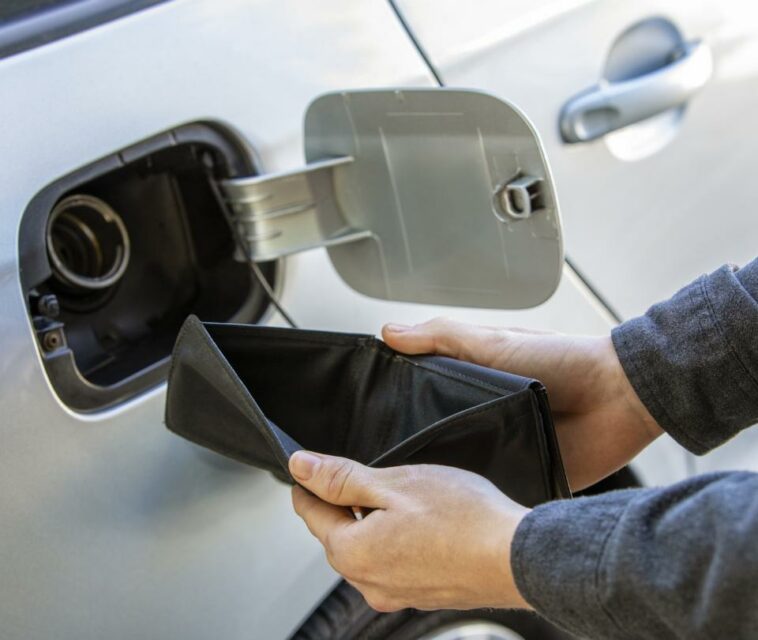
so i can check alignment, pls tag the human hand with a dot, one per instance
(600, 422)
(436, 537)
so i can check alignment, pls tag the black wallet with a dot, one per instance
(258, 394)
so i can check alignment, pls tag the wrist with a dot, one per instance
(502, 591)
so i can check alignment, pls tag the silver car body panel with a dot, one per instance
(110, 526)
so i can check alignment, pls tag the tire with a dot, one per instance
(344, 615)
(624, 478)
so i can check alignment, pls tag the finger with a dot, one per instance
(443, 336)
(340, 481)
(320, 517)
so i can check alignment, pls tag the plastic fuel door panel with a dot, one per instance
(437, 196)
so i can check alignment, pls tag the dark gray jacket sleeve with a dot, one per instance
(693, 360)
(681, 561)
(678, 562)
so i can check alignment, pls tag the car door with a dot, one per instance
(648, 207)
(111, 527)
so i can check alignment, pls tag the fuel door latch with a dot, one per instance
(437, 196)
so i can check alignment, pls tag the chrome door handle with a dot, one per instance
(615, 105)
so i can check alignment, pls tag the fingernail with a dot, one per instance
(397, 328)
(303, 465)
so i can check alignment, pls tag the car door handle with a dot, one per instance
(615, 105)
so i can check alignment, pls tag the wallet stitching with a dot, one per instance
(461, 377)
(438, 369)
(315, 337)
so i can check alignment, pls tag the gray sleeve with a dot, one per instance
(693, 359)
(678, 562)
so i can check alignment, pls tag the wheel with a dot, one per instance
(344, 615)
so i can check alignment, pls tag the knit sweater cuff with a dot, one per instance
(693, 359)
(556, 556)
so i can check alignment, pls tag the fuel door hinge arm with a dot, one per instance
(284, 213)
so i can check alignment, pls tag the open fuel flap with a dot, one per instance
(436, 196)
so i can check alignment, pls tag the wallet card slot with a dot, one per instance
(515, 435)
(424, 436)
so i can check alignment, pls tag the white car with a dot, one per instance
(118, 120)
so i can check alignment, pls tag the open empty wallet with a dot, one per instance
(258, 394)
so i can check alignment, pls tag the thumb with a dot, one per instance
(339, 481)
(442, 336)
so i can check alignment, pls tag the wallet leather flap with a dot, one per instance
(208, 404)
